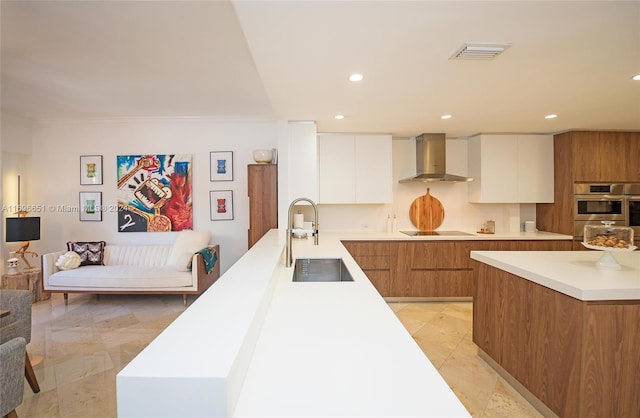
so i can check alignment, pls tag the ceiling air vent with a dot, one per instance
(477, 51)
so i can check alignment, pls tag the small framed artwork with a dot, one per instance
(221, 203)
(90, 206)
(91, 169)
(221, 165)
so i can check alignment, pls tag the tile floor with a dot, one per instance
(84, 345)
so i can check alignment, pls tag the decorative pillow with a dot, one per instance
(187, 242)
(183, 262)
(68, 261)
(91, 253)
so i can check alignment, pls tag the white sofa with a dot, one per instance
(153, 269)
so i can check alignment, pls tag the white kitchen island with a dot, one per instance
(562, 331)
(257, 344)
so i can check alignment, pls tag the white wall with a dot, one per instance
(15, 145)
(54, 175)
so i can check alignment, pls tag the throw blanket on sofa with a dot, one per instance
(210, 258)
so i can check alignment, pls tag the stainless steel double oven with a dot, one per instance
(617, 202)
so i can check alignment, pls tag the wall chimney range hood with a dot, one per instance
(431, 160)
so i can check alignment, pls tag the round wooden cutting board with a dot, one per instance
(426, 212)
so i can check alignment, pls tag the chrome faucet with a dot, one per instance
(289, 255)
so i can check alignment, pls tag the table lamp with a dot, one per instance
(23, 229)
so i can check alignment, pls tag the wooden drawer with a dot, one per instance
(439, 255)
(380, 280)
(441, 283)
(372, 262)
(358, 248)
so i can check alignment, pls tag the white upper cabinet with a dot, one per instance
(511, 169)
(336, 158)
(301, 159)
(535, 164)
(355, 168)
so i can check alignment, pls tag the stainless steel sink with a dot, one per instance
(321, 270)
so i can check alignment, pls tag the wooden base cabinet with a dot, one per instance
(263, 200)
(579, 358)
(445, 268)
(431, 268)
(373, 259)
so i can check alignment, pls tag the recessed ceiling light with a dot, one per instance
(356, 77)
(636, 77)
(551, 116)
(339, 117)
(445, 117)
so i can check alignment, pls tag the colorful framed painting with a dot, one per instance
(221, 205)
(90, 207)
(154, 193)
(221, 163)
(90, 169)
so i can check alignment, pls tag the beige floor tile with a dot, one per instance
(420, 307)
(122, 354)
(116, 321)
(506, 402)
(83, 366)
(159, 321)
(435, 352)
(396, 306)
(91, 397)
(443, 331)
(471, 379)
(412, 323)
(459, 310)
(46, 376)
(41, 405)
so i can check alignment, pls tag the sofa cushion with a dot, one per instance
(121, 277)
(183, 262)
(68, 261)
(91, 253)
(187, 243)
(136, 255)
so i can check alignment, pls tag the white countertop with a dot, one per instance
(573, 273)
(337, 349)
(473, 236)
(257, 344)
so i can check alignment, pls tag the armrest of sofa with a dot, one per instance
(203, 279)
(49, 266)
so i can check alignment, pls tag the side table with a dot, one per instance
(26, 280)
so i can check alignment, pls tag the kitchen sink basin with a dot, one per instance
(321, 270)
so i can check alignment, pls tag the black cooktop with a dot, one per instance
(426, 233)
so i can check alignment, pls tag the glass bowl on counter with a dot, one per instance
(608, 238)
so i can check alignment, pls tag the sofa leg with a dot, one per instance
(184, 299)
(97, 296)
(66, 298)
(30, 374)
(12, 414)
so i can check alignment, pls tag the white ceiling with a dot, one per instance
(291, 59)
